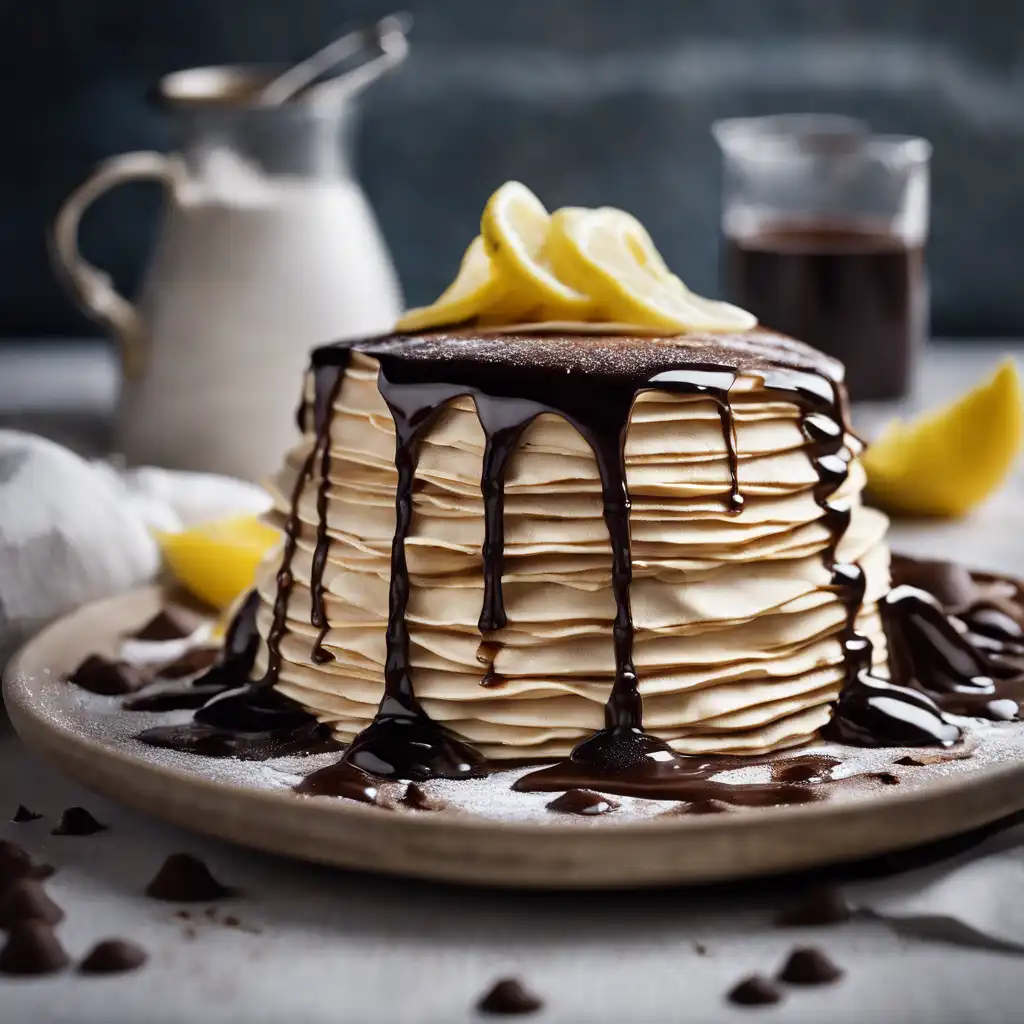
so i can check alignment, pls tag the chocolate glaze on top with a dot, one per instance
(592, 382)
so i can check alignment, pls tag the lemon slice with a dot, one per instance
(945, 462)
(476, 290)
(515, 227)
(217, 561)
(608, 255)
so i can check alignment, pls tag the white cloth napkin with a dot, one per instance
(73, 531)
(975, 898)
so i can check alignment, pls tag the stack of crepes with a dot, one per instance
(737, 630)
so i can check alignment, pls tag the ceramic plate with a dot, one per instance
(485, 834)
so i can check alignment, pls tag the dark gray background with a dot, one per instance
(588, 101)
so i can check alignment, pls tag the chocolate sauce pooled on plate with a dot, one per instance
(927, 651)
(239, 718)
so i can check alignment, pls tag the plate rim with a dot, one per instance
(61, 745)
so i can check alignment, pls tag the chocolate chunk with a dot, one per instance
(755, 991)
(23, 815)
(191, 663)
(949, 582)
(509, 997)
(163, 626)
(186, 879)
(823, 906)
(583, 801)
(77, 821)
(109, 678)
(418, 798)
(32, 948)
(112, 956)
(26, 900)
(886, 778)
(700, 949)
(15, 863)
(706, 807)
(921, 760)
(809, 966)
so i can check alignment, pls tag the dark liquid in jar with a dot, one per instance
(858, 293)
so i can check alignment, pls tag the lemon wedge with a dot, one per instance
(217, 561)
(515, 228)
(476, 289)
(945, 462)
(607, 254)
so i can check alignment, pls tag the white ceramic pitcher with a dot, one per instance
(268, 248)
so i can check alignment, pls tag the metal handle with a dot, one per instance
(91, 287)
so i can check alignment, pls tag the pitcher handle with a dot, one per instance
(91, 287)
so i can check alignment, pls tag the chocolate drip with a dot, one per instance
(247, 720)
(402, 742)
(486, 653)
(328, 381)
(870, 711)
(503, 422)
(712, 382)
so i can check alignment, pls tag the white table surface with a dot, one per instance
(319, 945)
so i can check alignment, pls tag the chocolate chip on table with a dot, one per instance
(163, 626)
(756, 990)
(109, 678)
(23, 815)
(15, 864)
(113, 956)
(809, 966)
(509, 997)
(77, 821)
(32, 948)
(822, 906)
(186, 879)
(26, 900)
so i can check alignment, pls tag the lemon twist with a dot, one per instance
(578, 265)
